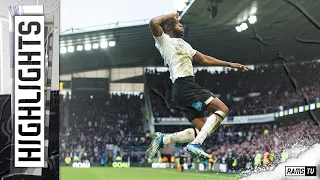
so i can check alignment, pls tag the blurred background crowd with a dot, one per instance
(102, 128)
(98, 123)
(247, 146)
(265, 89)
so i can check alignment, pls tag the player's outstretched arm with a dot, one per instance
(211, 61)
(155, 23)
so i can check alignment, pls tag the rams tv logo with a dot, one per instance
(29, 91)
(301, 170)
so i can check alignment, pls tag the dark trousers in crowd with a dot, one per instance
(182, 166)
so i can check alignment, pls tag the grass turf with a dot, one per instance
(105, 173)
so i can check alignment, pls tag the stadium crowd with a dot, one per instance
(93, 133)
(256, 145)
(99, 122)
(265, 89)
(94, 125)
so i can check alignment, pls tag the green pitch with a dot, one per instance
(98, 173)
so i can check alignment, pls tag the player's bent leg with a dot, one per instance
(184, 136)
(196, 147)
(159, 139)
(198, 123)
(216, 104)
(219, 110)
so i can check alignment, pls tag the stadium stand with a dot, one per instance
(244, 93)
(238, 145)
(281, 53)
(98, 122)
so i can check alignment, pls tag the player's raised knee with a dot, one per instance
(222, 112)
(225, 109)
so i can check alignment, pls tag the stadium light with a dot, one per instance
(281, 113)
(87, 47)
(312, 106)
(301, 109)
(95, 46)
(290, 111)
(252, 19)
(238, 28)
(79, 48)
(285, 112)
(318, 105)
(71, 49)
(112, 43)
(295, 110)
(104, 44)
(253, 10)
(63, 50)
(244, 26)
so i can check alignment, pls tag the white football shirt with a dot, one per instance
(177, 54)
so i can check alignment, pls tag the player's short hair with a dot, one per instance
(167, 22)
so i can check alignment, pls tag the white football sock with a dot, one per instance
(212, 123)
(184, 136)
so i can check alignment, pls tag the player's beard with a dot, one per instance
(178, 34)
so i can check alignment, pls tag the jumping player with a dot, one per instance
(191, 97)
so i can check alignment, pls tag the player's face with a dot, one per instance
(177, 29)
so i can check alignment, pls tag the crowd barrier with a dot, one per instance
(230, 120)
(296, 112)
(217, 167)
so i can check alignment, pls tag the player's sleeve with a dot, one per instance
(161, 40)
(192, 52)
